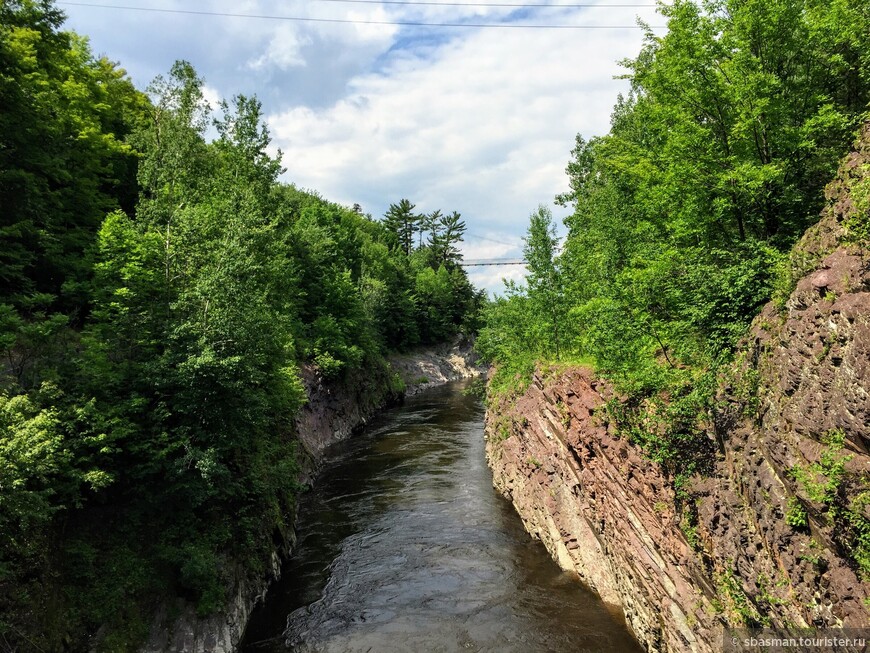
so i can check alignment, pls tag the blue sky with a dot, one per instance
(480, 121)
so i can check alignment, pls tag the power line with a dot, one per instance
(491, 4)
(347, 20)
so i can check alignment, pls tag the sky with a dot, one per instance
(479, 120)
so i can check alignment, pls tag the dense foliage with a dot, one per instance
(158, 293)
(682, 214)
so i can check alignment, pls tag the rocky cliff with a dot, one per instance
(428, 368)
(333, 412)
(777, 534)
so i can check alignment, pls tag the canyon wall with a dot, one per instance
(334, 411)
(777, 533)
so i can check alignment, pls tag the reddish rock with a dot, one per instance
(607, 513)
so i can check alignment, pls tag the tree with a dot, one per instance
(191, 347)
(740, 100)
(433, 295)
(432, 224)
(175, 164)
(452, 229)
(402, 223)
(148, 439)
(544, 281)
(713, 166)
(243, 142)
(64, 162)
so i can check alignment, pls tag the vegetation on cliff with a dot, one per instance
(775, 532)
(158, 292)
(689, 217)
(685, 212)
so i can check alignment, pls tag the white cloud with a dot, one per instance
(492, 279)
(482, 124)
(367, 29)
(212, 96)
(284, 49)
(474, 249)
(481, 121)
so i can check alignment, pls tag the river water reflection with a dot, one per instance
(404, 545)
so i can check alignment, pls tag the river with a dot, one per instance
(405, 546)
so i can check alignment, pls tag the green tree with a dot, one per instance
(36, 469)
(402, 223)
(714, 165)
(387, 294)
(506, 339)
(191, 353)
(430, 223)
(544, 281)
(433, 293)
(64, 161)
(157, 298)
(452, 229)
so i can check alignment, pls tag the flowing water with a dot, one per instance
(404, 545)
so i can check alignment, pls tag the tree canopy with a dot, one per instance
(159, 292)
(683, 213)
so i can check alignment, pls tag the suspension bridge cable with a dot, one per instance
(492, 240)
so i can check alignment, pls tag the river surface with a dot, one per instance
(405, 546)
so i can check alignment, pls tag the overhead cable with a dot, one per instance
(353, 21)
(433, 3)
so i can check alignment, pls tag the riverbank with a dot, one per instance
(334, 411)
(436, 366)
(404, 546)
(774, 530)
(754, 550)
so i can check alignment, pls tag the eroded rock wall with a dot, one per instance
(792, 423)
(601, 509)
(335, 410)
(431, 367)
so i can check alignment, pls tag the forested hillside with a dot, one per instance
(158, 292)
(683, 214)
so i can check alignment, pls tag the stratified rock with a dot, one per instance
(430, 367)
(601, 509)
(606, 512)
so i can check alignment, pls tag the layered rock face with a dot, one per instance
(779, 529)
(335, 410)
(601, 509)
(431, 367)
